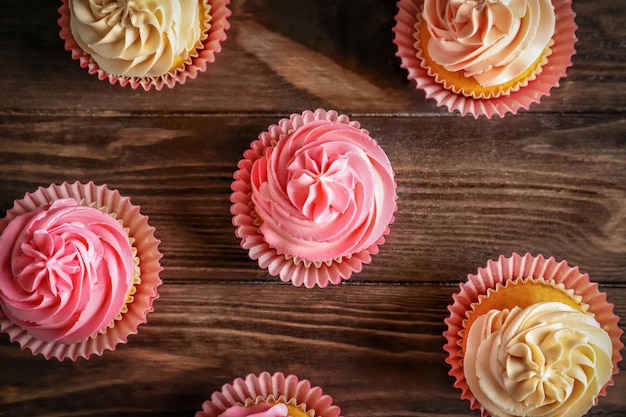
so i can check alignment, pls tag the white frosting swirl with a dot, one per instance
(136, 38)
(546, 360)
(493, 41)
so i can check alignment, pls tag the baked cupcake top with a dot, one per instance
(493, 42)
(452, 89)
(313, 198)
(136, 38)
(323, 191)
(66, 271)
(530, 336)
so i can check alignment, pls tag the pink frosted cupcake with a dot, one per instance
(532, 336)
(147, 44)
(268, 395)
(313, 198)
(482, 57)
(79, 270)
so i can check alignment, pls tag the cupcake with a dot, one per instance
(148, 44)
(532, 336)
(485, 57)
(268, 395)
(313, 198)
(79, 270)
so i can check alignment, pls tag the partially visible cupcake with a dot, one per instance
(532, 336)
(148, 44)
(269, 395)
(313, 198)
(79, 270)
(485, 57)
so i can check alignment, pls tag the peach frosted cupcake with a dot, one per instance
(267, 395)
(532, 336)
(79, 270)
(148, 44)
(313, 198)
(485, 57)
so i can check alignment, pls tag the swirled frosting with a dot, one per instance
(136, 38)
(65, 270)
(259, 410)
(545, 360)
(324, 191)
(493, 41)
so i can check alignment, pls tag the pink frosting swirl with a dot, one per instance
(493, 41)
(65, 271)
(260, 410)
(324, 191)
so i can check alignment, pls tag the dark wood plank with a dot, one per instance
(376, 349)
(344, 59)
(541, 184)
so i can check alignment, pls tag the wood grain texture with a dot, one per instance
(550, 180)
(376, 349)
(280, 58)
(552, 185)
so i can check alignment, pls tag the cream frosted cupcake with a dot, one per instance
(313, 198)
(144, 43)
(532, 336)
(267, 395)
(485, 57)
(79, 270)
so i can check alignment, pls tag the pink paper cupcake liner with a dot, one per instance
(266, 385)
(555, 69)
(520, 267)
(149, 259)
(211, 45)
(286, 267)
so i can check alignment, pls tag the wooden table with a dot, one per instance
(551, 180)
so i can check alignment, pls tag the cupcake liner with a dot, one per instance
(149, 264)
(288, 268)
(211, 45)
(551, 72)
(266, 385)
(499, 272)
